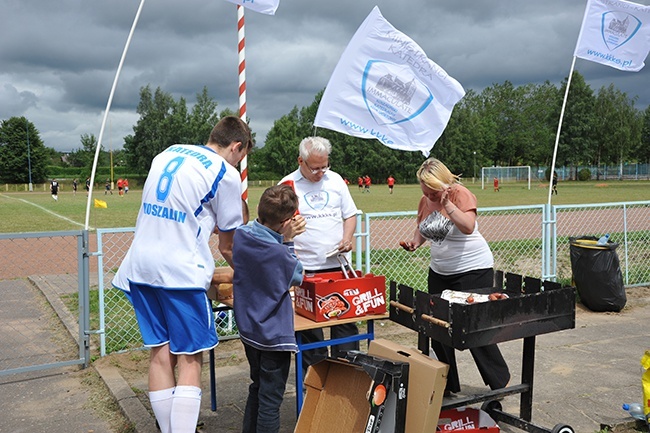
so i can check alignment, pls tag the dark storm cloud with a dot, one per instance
(58, 59)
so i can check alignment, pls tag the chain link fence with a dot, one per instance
(628, 225)
(515, 235)
(118, 327)
(40, 296)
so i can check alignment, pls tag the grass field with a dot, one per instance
(37, 211)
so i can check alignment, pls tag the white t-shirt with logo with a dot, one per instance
(452, 251)
(189, 191)
(324, 205)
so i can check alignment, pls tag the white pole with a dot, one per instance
(550, 224)
(559, 128)
(108, 107)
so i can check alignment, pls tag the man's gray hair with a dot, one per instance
(314, 146)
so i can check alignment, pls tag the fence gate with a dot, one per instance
(42, 285)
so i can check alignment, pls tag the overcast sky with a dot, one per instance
(58, 59)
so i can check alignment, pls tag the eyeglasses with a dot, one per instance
(316, 170)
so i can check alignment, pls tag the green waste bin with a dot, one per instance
(597, 274)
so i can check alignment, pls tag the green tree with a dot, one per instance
(84, 156)
(503, 104)
(156, 129)
(618, 128)
(17, 156)
(202, 118)
(542, 114)
(466, 133)
(164, 122)
(351, 156)
(502, 125)
(642, 151)
(280, 151)
(577, 135)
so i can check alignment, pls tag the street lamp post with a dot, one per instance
(474, 178)
(29, 157)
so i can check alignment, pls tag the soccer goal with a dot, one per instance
(520, 173)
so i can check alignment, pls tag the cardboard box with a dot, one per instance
(389, 393)
(427, 381)
(329, 296)
(467, 420)
(360, 395)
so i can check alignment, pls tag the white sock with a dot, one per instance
(161, 403)
(186, 405)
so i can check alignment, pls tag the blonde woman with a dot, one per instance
(460, 259)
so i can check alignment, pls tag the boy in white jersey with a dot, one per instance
(191, 191)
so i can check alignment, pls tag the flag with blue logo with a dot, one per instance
(385, 87)
(615, 33)
(267, 7)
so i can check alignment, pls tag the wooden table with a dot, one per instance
(302, 323)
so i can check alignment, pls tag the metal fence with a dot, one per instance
(44, 277)
(514, 235)
(625, 171)
(41, 288)
(628, 225)
(118, 328)
(527, 240)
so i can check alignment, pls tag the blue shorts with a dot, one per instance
(182, 318)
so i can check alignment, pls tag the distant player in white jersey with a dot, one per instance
(54, 189)
(191, 191)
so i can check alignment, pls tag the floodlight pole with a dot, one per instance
(474, 178)
(29, 156)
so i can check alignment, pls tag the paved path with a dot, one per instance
(52, 401)
(582, 376)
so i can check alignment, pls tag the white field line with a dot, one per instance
(48, 211)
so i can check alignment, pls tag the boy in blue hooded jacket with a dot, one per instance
(265, 268)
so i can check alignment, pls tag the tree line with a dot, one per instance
(503, 125)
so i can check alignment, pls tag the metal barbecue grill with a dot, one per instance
(533, 307)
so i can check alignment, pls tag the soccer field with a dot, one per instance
(37, 211)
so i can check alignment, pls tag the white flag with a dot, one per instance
(385, 87)
(262, 6)
(615, 33)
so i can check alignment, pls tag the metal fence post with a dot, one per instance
(627, 279)
(83, 247)
(358, 233)
(100, 288)
(367, 249)
(553, 239)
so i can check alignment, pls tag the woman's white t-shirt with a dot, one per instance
(452, 251)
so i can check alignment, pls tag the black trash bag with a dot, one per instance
(597, 274)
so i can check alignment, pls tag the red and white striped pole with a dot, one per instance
(241, 48)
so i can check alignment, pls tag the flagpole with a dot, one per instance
(559, 128)
(241, 49)
(549, 261)
(108, 107)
